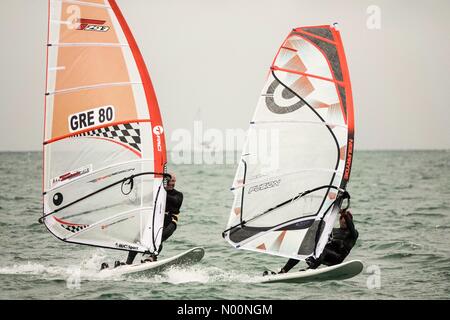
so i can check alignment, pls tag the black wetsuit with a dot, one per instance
(174, 200)
(335, 251)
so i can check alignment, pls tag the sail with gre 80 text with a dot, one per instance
(104, 146)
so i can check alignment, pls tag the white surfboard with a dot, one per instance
(188, 257)
(341, 271)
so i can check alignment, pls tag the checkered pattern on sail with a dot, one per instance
(128, 133)
(74, 228)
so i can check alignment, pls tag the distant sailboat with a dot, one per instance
(200, 143)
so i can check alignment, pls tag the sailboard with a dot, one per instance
(104, 146)
(188, 257)
(342, 271)
(286, 200)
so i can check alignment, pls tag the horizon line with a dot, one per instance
(357, 149)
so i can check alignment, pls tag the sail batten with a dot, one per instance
(104, 146)
(87, 44)
(96, 86)
(287, 207)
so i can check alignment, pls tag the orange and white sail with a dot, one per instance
(104, 146)
(288, 207)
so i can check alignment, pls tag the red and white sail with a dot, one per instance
(104, 146)
(289, 209)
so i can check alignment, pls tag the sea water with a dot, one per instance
(401, 208)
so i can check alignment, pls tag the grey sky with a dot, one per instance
(213, 56)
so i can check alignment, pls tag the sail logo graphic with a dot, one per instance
(348, 163)
(66, 177)
(158, 131)
(126, 246)
(110, 175)
(92, 25)
(264, 186)
(103, 227)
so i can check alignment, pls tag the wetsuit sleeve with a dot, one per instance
(177, 211)
(289, 265)
(168, 231)
(179, 202)
(181, 199)
(351, 227)
(173, 205)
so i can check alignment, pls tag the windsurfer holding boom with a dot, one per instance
(337, 249)
(174, 200)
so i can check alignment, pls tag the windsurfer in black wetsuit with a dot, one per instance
(337, 249)
(174, 200)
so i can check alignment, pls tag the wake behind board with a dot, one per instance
(185, 258)
(341, 271)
